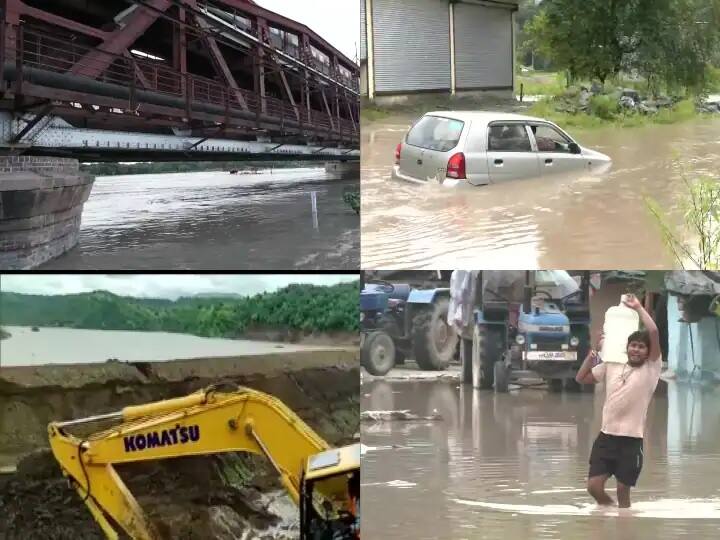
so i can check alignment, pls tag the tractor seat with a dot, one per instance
(495, 310)
(577, 311)
(401, 292)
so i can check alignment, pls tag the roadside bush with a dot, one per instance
(604, 107)
(712, 81)
(352, 199)
(683, 110)
(696, 243)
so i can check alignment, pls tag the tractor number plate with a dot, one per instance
(562, 356)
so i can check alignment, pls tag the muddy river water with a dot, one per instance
(60, 346)
(552, 222)
(218, 221)
(514, 466)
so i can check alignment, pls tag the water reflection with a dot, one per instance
(519, 462)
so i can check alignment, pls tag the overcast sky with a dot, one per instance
(336, 21)
(161, 286)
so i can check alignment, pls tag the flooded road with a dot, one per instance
(593, 221)
(215, 220)
(514, 466)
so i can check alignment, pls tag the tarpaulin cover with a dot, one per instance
(693, 283)
(501, 285)
(462, 297)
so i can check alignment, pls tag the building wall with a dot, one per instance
(693, 347)
(363, 79)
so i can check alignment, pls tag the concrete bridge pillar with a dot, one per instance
(343, 169)
(41, 202)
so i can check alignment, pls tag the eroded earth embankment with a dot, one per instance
(230, 496)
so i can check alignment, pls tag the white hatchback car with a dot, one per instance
(479, 148)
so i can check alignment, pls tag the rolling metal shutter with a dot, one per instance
(411, 45)
(483, 47)
(363, 32)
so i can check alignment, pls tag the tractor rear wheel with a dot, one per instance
(433, 339)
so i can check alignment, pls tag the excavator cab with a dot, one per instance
(330, 495)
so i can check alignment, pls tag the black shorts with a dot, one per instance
(616, 455)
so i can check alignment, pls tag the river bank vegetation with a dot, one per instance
(308, 308)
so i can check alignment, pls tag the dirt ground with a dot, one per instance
(188, 498)
(410, 372)
(336, 338)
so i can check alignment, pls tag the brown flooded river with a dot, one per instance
(217, 221)
(502, 466)
(26, 347)
(591, 222)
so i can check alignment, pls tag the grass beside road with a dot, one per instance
(372, 113)
(681, 112)
(553, 83)
(604, 109)
(545, 83)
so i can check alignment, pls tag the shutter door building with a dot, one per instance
(411, 45)
(483, 47)
(363, 32)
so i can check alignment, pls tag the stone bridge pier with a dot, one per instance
(41, 203)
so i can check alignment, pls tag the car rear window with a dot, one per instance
(436, 133)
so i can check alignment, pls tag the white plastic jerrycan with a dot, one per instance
(620, 322)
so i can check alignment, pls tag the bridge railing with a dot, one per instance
(35, 48)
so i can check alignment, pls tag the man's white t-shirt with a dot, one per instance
(628, 391)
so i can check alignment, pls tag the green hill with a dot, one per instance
(300, 306)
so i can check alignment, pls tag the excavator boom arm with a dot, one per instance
(206, 422)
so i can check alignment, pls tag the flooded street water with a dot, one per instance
(215, 220)
(594, 221)
(514, 466)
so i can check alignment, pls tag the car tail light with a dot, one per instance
(456, 166)
(397, 153)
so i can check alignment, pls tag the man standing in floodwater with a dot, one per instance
(618, 449)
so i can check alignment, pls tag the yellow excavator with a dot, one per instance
(324, 482)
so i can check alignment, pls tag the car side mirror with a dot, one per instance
(574, 148)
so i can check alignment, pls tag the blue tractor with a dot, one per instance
(527, 324)
(399, 321)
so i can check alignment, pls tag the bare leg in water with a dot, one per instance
(596, 488)
(623, 495)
